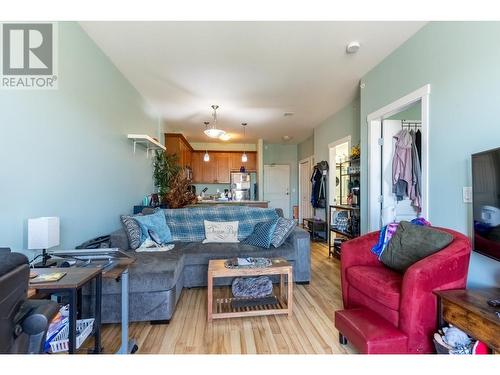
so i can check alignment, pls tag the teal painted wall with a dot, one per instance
(305, 148)
(341, 124)
(284, 154)
(461, 62)
(65, 152)
(412, 113)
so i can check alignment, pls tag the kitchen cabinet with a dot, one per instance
(209, 169)
(178, 145)
(218, 169)
(236, 163)
(222, 163)
(251, 164)
(197, 166)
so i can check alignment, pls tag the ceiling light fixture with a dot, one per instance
(212, 130)
(206, 157)
(225, 137)
(353, 47)
(244, 157)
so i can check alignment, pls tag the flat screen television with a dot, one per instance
(486, 202)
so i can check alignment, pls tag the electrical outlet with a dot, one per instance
(467, 194)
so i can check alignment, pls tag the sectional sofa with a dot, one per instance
(157, 279)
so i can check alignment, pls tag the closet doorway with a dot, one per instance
(305, 172)
(407, 118)
(338, 152)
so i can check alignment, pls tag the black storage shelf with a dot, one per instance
(334, 249)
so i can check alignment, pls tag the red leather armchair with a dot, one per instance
(388, 312)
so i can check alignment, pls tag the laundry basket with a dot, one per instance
(60, 343)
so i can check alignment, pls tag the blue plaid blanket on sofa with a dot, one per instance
(186, 224)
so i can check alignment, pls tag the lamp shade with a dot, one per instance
(43, 232)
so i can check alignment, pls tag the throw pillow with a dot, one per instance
(155, 222)
(133, 231)
(262, 234)
(412, 243)
(221, 231)
(284, 227)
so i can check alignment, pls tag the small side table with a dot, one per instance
(120, 273)
(70, 284)
(313, 226)
(218, 308)
(468, 310)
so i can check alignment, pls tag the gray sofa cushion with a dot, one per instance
(152, 272)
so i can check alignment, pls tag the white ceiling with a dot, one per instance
(255, 71)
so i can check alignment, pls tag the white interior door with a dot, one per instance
(277, 187)
(305, 206)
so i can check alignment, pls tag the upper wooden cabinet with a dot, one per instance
(222, 162)
(197, 166)
(177, 144)
(218, 169)
(236, 163)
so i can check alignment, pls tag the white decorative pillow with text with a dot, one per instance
(221, 231)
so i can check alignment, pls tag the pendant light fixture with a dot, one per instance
(244, 157)
(212, 130)
(206, 157)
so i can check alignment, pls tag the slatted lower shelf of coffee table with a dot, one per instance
(220, 306)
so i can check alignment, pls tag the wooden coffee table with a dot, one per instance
(220, 307)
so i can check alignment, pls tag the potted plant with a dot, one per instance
(165, 169)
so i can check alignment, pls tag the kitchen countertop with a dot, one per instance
(230, 202)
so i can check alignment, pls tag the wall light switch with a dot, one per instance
(467, 194)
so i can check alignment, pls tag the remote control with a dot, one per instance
(494, 302)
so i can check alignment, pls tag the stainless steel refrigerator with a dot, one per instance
(243, 186)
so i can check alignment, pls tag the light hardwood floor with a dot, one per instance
(310, 330)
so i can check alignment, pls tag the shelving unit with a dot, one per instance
(349, 171)
(352, 231)
(148, 142)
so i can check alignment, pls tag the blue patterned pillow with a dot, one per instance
(262, 234)
(155, 222)
(133, 231)
(284, 228)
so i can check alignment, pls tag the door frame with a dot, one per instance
(332, 170)
(374, 123)
(309, 159)
(290, 213)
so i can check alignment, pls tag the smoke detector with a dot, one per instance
(352, 47)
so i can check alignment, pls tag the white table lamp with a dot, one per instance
(43, 233)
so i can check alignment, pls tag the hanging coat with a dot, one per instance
(318, 180)
(402, 167)
(316, 185)
(417, 174)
